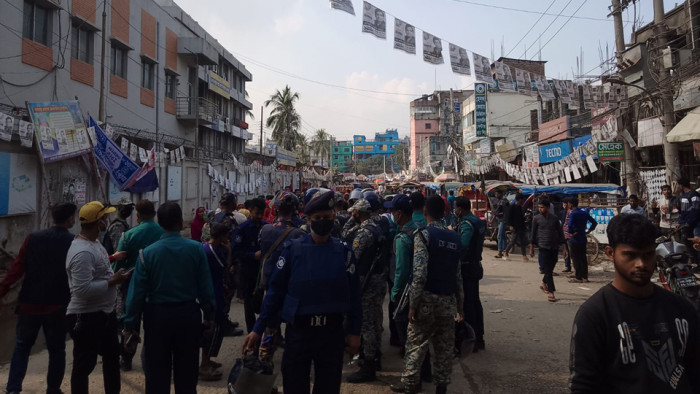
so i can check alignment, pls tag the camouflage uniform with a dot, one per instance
(434, 316)
(349, 230)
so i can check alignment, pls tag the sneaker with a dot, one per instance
(505, 258)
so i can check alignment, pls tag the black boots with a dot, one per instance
(441, 389)
(366, 373)
(405, 388)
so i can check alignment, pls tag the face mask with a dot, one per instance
(322, 227)
(392, 218)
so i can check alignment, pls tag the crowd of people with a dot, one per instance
(321, 263)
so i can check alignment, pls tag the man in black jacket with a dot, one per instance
(43, 298)
(515, 222)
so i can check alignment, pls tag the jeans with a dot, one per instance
(567, 260)
(54, 326)
(502, 238)
(519, 237)
(577, 251)
(548, 259)
(94, 333)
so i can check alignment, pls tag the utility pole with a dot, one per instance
(673, 166)
(101, 112)
(261, 131)
(630, 170)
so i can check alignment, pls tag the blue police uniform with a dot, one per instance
(245, 245)
(269, 234)
(472, 231)
(313, 288)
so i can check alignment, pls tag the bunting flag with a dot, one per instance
(543, 87)
(343, 5)
(145, 180)
(522, 78)
(459, 59)
(7, 124)
(562, 91)
(182, 151)
(374, 21)
(119, 166)
(504, 77)
(482, 69)
(404, 36)
(432, 49)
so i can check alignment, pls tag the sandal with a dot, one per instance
(574, 280)
(551, 297)
(543, 288)
(209, 374)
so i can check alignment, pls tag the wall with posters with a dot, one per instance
(18, 184)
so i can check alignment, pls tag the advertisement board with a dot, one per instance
(480, 109)
(60, 129)
(554, 152)
(611, 151)
(18, 183)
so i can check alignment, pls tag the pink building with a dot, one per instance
(425, 122)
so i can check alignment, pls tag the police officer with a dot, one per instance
(472, 232)
(314, 289)
(435, 298)
(367, 248)
(351, 226)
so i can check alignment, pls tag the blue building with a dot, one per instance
(383, 144)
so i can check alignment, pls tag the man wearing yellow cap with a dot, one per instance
(92, 320)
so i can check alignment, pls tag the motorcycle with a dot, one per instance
(675, 270)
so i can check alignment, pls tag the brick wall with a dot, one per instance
(147, 97)
(120, 20)
(169, 105)
(530, 66)
(170, 49)
(37, 55)
(86, 9)
(148, 34)
(82, 72)
(118, 86)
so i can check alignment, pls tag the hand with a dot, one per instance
(258, 255)
(251, 342)
(352, 344)
(532, 251)
(412, 315)
(119, 256)
(696, 243)
(119, 277)
(510, 228)
(460, 317)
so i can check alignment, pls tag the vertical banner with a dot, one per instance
(174, 189)
(572, 89)
(26, 133)
(459, 59)
(404, 36)
(543, 87)
(562, 91)
(480, 108)
(432, 49)
(482, 69)
(120, 167)
(61, 129)
(504, 76)
(343, 5)
(524, 82)
(18, 183)
(7, 124)
(373, 21)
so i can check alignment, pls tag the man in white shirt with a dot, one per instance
(633, 206)
(668, 214)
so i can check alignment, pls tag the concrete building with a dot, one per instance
(383, 144)
(342, 156)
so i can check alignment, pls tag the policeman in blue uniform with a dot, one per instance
(314, 289)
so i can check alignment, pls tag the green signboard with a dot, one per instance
(480, 108)
(611, 151)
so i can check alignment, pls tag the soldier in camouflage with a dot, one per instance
(436, 300)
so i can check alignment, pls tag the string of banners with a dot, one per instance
(140, 155)
(506, 78)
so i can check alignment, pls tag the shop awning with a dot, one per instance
(688, 129)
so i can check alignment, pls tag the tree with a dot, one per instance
(402, 157)
(321, 144)
(302, 150)
(284, 118)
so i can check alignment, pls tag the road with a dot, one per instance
(527, 340)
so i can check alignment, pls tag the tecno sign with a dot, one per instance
(553, 152)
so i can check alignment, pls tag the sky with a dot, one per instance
(351, 82)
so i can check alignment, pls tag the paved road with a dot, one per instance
(527, 340)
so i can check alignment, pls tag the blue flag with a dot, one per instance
(117, 163)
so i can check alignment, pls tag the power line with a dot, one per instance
(531, 27)
(547, 28)
(527, 11)
(562, 26)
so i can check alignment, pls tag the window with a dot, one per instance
(428, 126)
(37, 23)
(170, 85)
(119, 57)
(147, 69)
(82, 43)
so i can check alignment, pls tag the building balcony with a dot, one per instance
(187, 111)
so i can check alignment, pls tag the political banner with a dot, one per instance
(343, 5)
(432, 49)
(7, 125)
(404, 36)
(373, 21)
(522, 78)
(572, 89)
(504, 77)
(543, 87)
(61, 131)
(482, 69)
(26, 133)
(18, 183)
(562, 91)
(117, 163)
(459, 59)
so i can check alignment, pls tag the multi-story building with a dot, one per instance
(342, 156)
(383, 144)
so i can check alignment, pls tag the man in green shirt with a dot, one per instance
(131, 242)
(172, 286)
(418, 202)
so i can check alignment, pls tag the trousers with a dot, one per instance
(578, 256)
(94, 333)
(473, 310)
(372, 317)
(519, 237)
(548, 259)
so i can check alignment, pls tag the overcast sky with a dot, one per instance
(323, 55)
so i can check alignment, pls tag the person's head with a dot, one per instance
(462, 53)
(417, 201)
(452, 192)
(220, 233)
(462, 206)
(437, 43)
(94, 217)
(125, 210)
(685, 184)
(400, 208)
(572, 203)
(409, 31)
(361, 210)
(170, 216)
(320, 214)
(519, 199)
(633, 200)
(64, 214)
(145, 210)
(285, 203)
(666, 191)
(631, 240)
(499, 194)
(434, 208)
(8, 123)
(228, 202)
(543, 206)
(257, 209)
(378, 15)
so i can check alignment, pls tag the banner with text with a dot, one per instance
(60, 129)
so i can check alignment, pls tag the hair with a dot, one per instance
(573, 201)
(631, 229)
(126, 210)
(62, 212)
(435, 207)
(464, 203)
(146, 209)
(519, 197)
(342, 205)
(685, 182)
(269, 197)
(256, 203)
(452, 192)
(544, 201)
(665, 187)
(170, 216)
(219, 230)
(418, 201)
(633, 196)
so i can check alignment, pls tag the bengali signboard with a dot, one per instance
(480, 108)
(219, 85)
(611, 151)
(60, 129)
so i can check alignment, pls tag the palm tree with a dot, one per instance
(320, 143)
(248, 112)
(302, 149)
(284, 118)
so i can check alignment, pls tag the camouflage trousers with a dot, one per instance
(434, 324)
(372, 317)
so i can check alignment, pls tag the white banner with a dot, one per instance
(572, 89)
(7, 124)
(522, 77)
(482, 69)
(543, 87)
(459, 59)
(343, 5)
(432, 49)
(504, 76)
(404, 36)
(26, 133)
(374, 21)
(562, 91)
